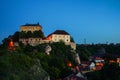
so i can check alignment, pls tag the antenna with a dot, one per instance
(84, 40)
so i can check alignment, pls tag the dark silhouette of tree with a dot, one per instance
(16, 36)
(38, 34)
(107, 57)
(29, 34)
(96, 75)
(23, 34)
(18, 66)
(71, 39)
(111, 71)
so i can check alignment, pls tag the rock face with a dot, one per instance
(77, 58)
(38, 72)
(48, 49)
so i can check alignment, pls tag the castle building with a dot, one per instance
(31, 27)
(59, 35)
(56, 36)
(31, 40)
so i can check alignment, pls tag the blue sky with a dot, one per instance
(96, 20)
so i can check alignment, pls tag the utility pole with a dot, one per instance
(84, 40)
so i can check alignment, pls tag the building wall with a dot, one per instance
(58, 37)
(73, 45)
(49, 38)
(30, 28)
(34, 41)
(31, 41)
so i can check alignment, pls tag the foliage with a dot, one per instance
(71, 39)
(21, 64)
(5, 43)
(16, 36)
(56, 62)
(29, 34)
(111, 71)
(18, 66)
(91, 49)
(93, 75)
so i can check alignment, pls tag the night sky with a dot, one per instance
(97, 21)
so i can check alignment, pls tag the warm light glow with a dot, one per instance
(97, 63)
(11, 44)
(118, 60)
(49, 37)
(111, 61)
(94, 68)
(70, 64)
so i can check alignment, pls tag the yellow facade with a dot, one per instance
(31, 27)
(61, 37)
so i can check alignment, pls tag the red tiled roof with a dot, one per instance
(98, 58)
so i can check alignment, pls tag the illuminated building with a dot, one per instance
(57, 36)
(31, 27)
(61, 35)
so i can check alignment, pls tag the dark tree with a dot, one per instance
(29, 34)
(111, 71)
(38, 34)
(71, 39)
(23, 34)
(16, 36)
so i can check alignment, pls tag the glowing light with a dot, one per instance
(70, 64)
(11, 44)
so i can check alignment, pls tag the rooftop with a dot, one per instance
(32, 24)
(60, 32)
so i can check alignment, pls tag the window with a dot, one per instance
(67, 40)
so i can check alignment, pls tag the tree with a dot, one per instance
(19, 66)
(23, 34)
(71, 39)
(28, 48)
(38, 34)
(16, 36)
(29, 34)
(111, 71)
(93, 75)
